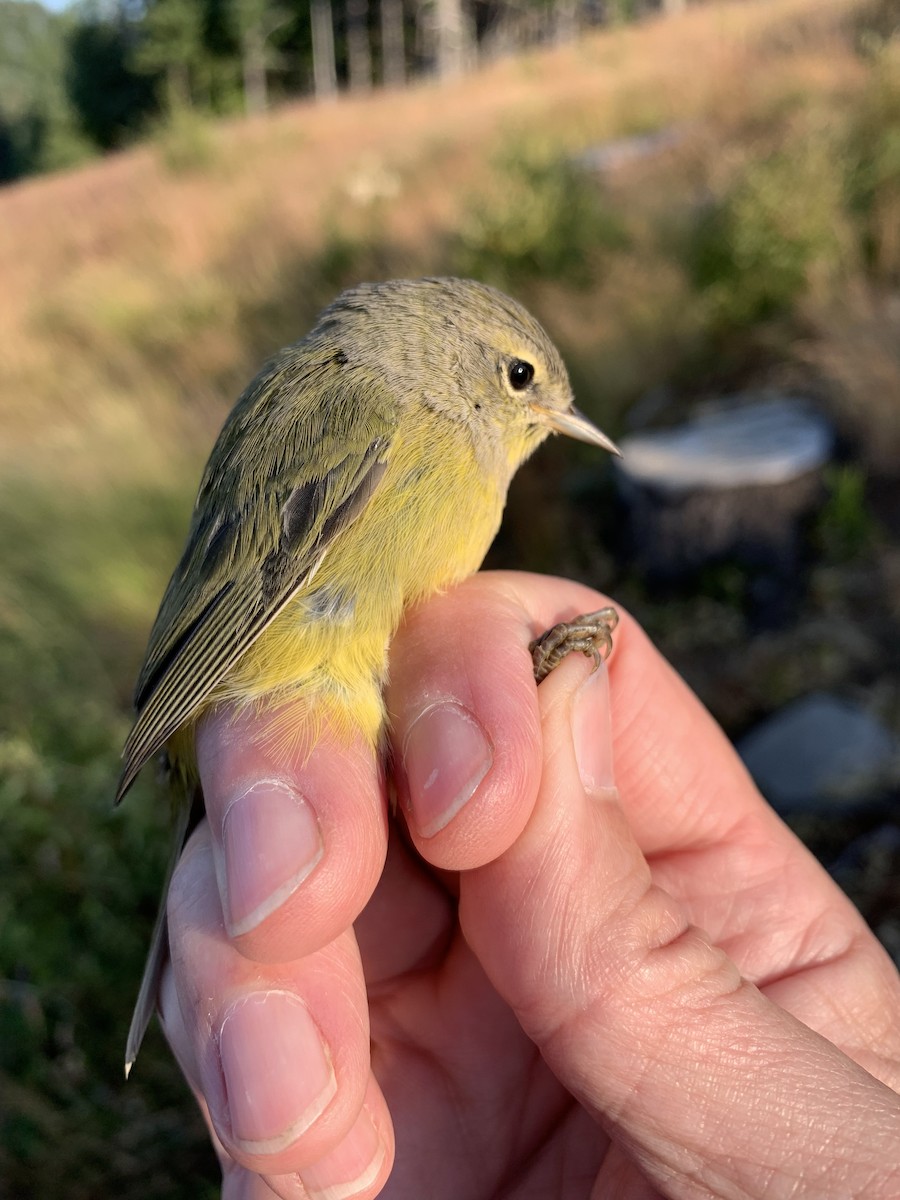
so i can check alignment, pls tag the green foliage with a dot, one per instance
(876, 23)
(544, 217)
(60, 145)
(172, 44)
(755, 249)
(102, 74)
(79, 881)
(873, 156)
(113, 100)
(845, 527)
(186, 141)
(38, 125)
(725, 583)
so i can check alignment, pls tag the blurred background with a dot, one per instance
(701, 203)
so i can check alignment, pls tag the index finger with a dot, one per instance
(710, 839)
(469, 648)
(298, 825)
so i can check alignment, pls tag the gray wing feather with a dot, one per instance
(145, 1004)
(242, 566)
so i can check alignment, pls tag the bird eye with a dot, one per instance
(520, 374)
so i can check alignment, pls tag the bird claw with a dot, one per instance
(590, 633)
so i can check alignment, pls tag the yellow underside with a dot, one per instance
(427, 527)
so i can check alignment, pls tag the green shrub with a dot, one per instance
(544, 218)
(873, 165)
(755, 250)
(186, 142)
(80, 882)
(845, 527)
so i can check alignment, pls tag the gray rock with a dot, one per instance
(821, 752)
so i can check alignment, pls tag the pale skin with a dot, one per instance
(647, 988)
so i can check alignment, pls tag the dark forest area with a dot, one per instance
(103, 73)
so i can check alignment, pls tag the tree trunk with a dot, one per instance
(565, 20)
(324, 70)
(393, 50)
(359, 53)
(253, 56)
(455, 42)
(178, 86)
(424, 45)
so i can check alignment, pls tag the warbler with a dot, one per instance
(364, 468)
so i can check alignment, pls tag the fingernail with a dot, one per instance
(277, 1073)
(350, 1169)
(592, 732)
(271, 842)
(445, 756)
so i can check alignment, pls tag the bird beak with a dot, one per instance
(576, 425)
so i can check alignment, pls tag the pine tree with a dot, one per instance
(172, 43)
(393, 52)
(324, 68)
(359, 53)
(254, 22)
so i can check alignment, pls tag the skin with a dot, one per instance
(567, 988)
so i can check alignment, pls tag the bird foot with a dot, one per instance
(590, 633)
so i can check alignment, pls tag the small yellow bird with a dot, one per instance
(364, 468)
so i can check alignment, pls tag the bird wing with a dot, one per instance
(298, 460)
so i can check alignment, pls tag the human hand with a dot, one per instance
(555, 989)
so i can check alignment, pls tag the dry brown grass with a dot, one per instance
(127, 287)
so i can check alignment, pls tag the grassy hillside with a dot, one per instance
(160, 276)
(140, 293)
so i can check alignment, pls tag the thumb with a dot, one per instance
(713, 1090)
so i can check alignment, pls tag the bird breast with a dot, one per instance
(427, 526)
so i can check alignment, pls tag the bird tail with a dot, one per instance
(188, 811)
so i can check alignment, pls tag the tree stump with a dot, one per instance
(735, 481)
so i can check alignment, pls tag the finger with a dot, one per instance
(691, 805)
(355, 1170)
(464, 723)
(176, 1032)
(408, 921)
(299, 834)
(713, 1088)
(673, 795)
(237, 1182)
(716, 846)
(358, 1167)
(244, 1185)
(280, 1053)
(352, 1172)
(464, 727)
